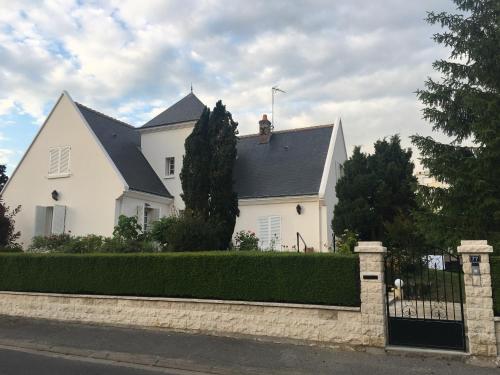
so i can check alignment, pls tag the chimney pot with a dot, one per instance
(264, 129)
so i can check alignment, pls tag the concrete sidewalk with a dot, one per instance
(213, 355)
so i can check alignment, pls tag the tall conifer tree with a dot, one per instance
(196, 167)
(465, 105)
(223, 205)
(207, 174)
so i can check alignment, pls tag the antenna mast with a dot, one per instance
(274, 90)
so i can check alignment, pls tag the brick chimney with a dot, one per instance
(264, 130)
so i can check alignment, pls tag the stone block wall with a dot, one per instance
(333, 326)
(479, 315)
(373, 309)
(497, 329)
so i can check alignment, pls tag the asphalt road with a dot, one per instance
(92, 349)
(16, 362)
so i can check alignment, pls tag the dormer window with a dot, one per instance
(170, 167)
(59, 161)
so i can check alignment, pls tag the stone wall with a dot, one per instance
(373, 308)
(479, 316)
(335, 326)
(497, 329)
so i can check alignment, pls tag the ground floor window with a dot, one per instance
(150, 215)
(50, 220)
(269, 232)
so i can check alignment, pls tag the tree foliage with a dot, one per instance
(375, 190)
(464, 105)
(196, 167)
(207, 175)
(3, 176)
(8, 234)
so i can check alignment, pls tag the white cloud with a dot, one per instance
(359, 59)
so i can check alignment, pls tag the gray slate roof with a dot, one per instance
(188, 108)
(290, 164)
(122, 142)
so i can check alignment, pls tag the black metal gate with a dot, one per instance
(425, 300)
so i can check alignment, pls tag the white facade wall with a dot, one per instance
(307, 223)
(333, 170)
(314, 224)
(157, 144)
(132, 203)
(89, 192)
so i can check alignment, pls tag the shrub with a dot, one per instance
(82, 245)
(347, 242)
(495, 280)
(11, 249)
(65, 243)
(188, 232)
(160, 230)
(246, 240)
(327, 279)
(128, 229)
(54, 242)
(8, 234)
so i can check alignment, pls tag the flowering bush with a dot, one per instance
(246, 240)
(346, 242)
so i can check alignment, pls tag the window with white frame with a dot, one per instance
(269, 232)
(170, 167)
(59, 161)
(150, 215)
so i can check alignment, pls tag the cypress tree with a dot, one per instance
(223, 201)
(465, 105)
(195, 168)
(207, 175)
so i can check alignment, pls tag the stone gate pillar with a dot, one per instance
(373, 308)
(479, 315)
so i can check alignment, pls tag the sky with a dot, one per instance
(361, 60)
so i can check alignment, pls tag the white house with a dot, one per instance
(84, 169)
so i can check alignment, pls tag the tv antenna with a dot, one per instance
(274, 90)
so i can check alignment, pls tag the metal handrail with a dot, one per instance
(304, 242)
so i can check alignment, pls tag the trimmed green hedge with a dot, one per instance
(495, 282)
(249, 276)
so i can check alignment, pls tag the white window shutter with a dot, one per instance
(155, 215)
(40, 220)
(275, 231)
(64, 160)
(54, 161)
(140, 215)
(59, 219)
(263, 231)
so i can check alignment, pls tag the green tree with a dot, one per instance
(128, 229)
(196, 167)
(375, 190)
(464, 105)
(8, 234)
(207, 176)
(223, 201)
(3, 176)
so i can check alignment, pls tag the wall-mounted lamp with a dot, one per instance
(299, 209)
(55, 195)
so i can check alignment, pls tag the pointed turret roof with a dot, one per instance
(188, 108)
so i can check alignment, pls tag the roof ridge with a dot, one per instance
(106, 116)
(304, 128)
